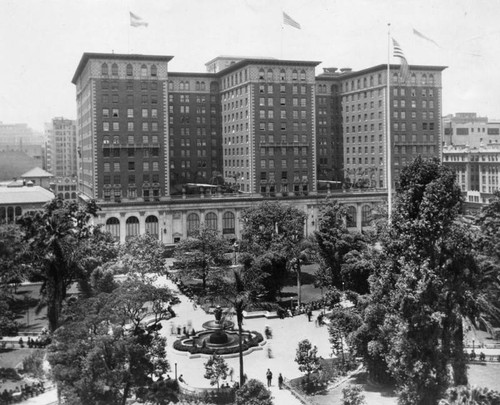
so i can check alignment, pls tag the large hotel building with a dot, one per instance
(263, 127)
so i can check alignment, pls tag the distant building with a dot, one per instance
(21, 138)
(62, 147)
(17, 199)
(467, 129)
(38, 177)
(477, 169)
(65, 187)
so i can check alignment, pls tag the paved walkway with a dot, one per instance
(286, 335)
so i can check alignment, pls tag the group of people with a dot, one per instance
(269, 377)
(39, 342)
(20, 394)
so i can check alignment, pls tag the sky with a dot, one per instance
(42, 41)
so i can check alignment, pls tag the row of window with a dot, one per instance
(269, 89)
(372, 80)
(129, 70)
(146, 166)
(114, 85)
(116, 179)
(115, 126)
(145, 99)
(282, 75)
(297, 164)
(131, 140)
(115, 113)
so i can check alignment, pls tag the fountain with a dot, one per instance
(218, 337)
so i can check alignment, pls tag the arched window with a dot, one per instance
(302, 75)
(197, 85)
(154, 71)
(66, 196)
(413, 79)
(131, 227)
(186, 86)
(73, 195)
(3, 213)
(105, 140)
(371, 81)
(104, 69)
(18, 211)
(116, 140)
(228, 223)
(295, 75)
(366, 212)
(211, 221)
(395, 77)
(60, 195)
(214, 87)
(114, 69)
(202, 85)
(152, 225)
(144, 70)
(170, 85)
(351, 216)
(10, 214)
(364, 82)
(181, 86)
(282, 75)
(270, 75)
(424, 79)
(113, 227)
(193, 223)
(261, 74)
(130, 70)
(431, 80)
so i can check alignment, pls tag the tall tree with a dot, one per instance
(275, 228)
(54, 236)
(334, 241)
(108, 348)
(143, 257)
(425, 286)
(239, 293)
(202, 254)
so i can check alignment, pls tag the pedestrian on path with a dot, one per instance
(280, 381)
(309, 315)
(231, 371)
(269, 376)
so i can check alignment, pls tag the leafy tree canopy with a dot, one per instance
(253, 392)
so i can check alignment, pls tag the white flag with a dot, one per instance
(136, 21)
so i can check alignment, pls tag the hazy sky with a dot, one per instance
(42, 42)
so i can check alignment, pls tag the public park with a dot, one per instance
(405, 313)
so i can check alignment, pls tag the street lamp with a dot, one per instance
(235, 246)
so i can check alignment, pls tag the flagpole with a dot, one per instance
(388, 129)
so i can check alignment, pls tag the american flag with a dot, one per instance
(404, 71)
(290, 21)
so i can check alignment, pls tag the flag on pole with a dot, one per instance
(136, 21)
(404, 71)
(290, 21)
(420, 35)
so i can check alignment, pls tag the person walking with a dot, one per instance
(269, 376)
(280, 381)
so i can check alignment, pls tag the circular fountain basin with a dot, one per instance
(216, 325)
(224, 343)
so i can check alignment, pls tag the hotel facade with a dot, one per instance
(158, 148)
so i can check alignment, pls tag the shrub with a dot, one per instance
(33, 364)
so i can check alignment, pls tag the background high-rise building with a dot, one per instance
(62, 147)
